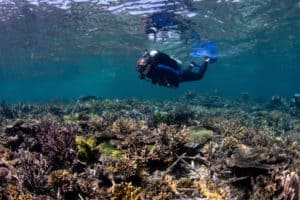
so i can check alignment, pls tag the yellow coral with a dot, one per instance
(25, 197)
(80, 140)
(171, 183)
(126, 191)
(209, 190)
(87, 149)
(12, 191)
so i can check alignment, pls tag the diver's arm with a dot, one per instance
(169, 71)
(169, 76)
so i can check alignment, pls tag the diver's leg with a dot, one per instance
(188, 75)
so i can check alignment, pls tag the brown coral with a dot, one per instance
(124, 169)
(61, 180)
(57, 142)
(124, 126)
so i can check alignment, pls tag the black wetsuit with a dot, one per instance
(166, 71)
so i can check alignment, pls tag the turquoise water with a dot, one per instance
(67, 49)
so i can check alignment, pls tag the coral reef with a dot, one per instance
(199, 147)
(87, 149)
(57, 142)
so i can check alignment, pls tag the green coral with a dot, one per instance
(87, 149)
(110, 151)
(72, 118)
(198, 136)
(150, 147)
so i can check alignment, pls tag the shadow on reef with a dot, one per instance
(199, 147)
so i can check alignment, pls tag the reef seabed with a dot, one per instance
(199, 147)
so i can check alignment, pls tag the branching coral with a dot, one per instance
(5, 154)
(159, 189)
(169, 140)
(181, 115)
(125, 169)
(288, 186)
(14, 193)
(283, 186)
(171, 135)
(33, 172)
(97, 123)
(168, 187)
(111, 105)
(62, 182)
(149, 150)
(124, 126)
(209, 190)
(72, 118)
(126, 191)
(57, 142)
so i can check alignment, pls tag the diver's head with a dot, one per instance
(142, 64)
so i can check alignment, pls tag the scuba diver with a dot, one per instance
(163, 70)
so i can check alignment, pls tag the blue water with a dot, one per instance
(66, 49)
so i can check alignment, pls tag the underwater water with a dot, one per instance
(65, 49)
(76, 121)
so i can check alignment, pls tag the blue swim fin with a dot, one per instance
(206, 49)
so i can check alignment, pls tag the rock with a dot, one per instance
(251, 161)
(15, 124)
(20, 126)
